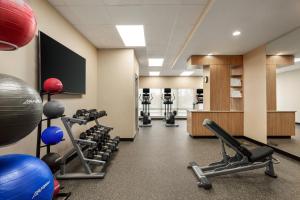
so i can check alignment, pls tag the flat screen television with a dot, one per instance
(58, 61)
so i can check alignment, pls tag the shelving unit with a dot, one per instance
(236, 88)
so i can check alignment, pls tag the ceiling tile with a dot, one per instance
(104, 36)
(83, 2)
(56, 2)
(194, 2)
(189, 14)
(143, 14)
(95, 15)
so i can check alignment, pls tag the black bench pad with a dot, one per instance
(260, 153)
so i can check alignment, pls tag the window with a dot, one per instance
(184, 99)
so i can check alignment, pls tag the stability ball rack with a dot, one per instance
(40, 126)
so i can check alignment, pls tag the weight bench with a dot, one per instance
(243, 160)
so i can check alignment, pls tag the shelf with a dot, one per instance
(236, 97)
(236, 65)
(236, 75)
(236, 86)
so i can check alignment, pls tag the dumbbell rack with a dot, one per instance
(86, 163)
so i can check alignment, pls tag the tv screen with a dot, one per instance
(57, 61)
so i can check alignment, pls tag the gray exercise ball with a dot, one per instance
(20, 109)
(53, 109)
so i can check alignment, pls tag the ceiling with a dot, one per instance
(288, 44)
(168, 24)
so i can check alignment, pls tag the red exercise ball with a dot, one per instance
(56, 188)
(53, 85)
(17, 24)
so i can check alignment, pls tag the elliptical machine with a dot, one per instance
(199, 98)
(169, 115)
(145, 113)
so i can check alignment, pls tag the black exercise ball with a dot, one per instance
(20, 109)
(53, 161)
(53, 109)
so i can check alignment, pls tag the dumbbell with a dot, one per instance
(94, 154)
(81, 114)
(102, 113)
(92, 137)
(106, 137)
(93, 114)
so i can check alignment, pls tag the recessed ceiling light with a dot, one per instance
(155, 62)
(236, 33)
(210, 54)
(296, 59)
(132, 35)
(154, 73)
(186, 73)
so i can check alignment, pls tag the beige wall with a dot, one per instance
(288, 93)
(170, 82)
(117, 69)
(23, 64)
(255, 95)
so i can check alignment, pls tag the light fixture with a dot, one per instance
(296, 59)
(132, 35)
(210, 54)
(186, 73)
(154, 73)
(155, 62)
(278, 54)
(236, 33)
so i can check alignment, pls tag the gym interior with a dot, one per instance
(149, 99)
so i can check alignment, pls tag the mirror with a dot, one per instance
(286, 78)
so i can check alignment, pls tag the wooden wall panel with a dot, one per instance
(215, 60)
(280, 60)
(271, 87)
(232, 122)
(235, 60)
(236, 104)
(189, 122)
(219, 88)
(281, 123)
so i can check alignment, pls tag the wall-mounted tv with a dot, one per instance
(57, 61)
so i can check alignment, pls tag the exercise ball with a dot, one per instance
(20, 109)
(17, 24)
(56, 188)
(25, 177)
(53, 109)
(53, 85)
(52, 135)
(53, 161)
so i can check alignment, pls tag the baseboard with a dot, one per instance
(127, 139)
(203, 137)
(210, 137)
(254, 141)
(280, 151)
(161, 118)
(287, 154)
(280, 137)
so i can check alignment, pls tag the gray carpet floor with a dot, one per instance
(154, 167)
(290, 145)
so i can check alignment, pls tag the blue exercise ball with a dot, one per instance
(24, 177)
(52, 135)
